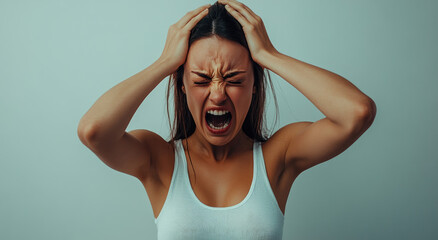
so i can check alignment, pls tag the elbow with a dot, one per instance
(367, 111)
(87, 133)
(365, 115)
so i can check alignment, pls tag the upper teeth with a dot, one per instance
(217, 112)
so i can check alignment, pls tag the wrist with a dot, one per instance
(267, 59)
(164, 66)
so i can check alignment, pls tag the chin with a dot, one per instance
(222, 139)
(219, 141)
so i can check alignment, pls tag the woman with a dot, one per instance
(239, 179)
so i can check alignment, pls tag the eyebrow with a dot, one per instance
(228, 75)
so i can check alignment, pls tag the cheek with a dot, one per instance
(195, 100)
(241, 97)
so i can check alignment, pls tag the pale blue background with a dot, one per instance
(58, 57)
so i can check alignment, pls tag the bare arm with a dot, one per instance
(348, 111)
(102, 128)
(337, 98)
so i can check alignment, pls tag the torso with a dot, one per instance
(220, 185)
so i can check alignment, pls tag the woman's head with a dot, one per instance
(220, 75)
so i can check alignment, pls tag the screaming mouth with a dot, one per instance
(218, 119)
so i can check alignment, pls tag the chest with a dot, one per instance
(221, 184)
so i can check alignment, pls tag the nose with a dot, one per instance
(217, 92)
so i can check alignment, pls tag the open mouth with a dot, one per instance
(218, 120)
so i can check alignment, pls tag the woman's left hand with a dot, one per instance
(255, 32)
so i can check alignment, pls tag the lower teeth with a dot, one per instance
(218, 128)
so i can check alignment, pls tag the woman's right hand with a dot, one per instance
(176, 47)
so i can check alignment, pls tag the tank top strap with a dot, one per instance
(177, 176)
(263, 175)
(258, 159)
(180, 172)
(182, 161)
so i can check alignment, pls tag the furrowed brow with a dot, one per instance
(203, 75)
(232, 74)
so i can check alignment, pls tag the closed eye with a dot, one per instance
(235, 82)
(201, 82)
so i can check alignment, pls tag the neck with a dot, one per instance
(215, 153)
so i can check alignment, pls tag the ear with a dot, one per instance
(183, 89)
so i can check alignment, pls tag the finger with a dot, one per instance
(238, 16)
(248, 9)
(184, 20)
(243, 9)
(192, 23)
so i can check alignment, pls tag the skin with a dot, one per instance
(216, 57)
(223, 162)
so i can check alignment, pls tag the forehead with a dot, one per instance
(215, 54)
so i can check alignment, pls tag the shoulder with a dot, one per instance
(303, 145)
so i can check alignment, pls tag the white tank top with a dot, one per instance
(184, 216)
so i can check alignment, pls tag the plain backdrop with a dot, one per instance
(58, 57)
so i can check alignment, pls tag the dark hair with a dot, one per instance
(220, 23)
